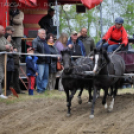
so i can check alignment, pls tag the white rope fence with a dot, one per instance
(35, 54)
(26, 54)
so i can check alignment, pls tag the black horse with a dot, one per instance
(71, 82)
(107, 73)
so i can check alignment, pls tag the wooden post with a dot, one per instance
(5, 68)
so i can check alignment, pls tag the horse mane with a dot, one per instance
(106, 55)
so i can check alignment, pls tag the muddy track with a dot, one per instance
(48, 116)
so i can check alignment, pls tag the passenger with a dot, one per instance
(16, 21)
(61, 45)
(87, 41)
(53, 62)
(47, 22)
(41, 47)
(31, 69)
(78, 48)
(115, 36)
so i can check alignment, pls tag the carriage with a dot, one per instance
(104, 71)
(128, 56)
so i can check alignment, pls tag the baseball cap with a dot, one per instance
(29, 49)
(10, 28)
(74, 32)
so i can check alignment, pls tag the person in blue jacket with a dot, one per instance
(77, 48)
(31, 70)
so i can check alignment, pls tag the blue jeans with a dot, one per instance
(112, 48)
(107, 47)
(98, 44)
(43, 76)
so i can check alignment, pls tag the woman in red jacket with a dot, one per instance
(115, 36)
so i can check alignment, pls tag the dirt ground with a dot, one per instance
(48, 116)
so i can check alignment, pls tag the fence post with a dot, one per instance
(5, 73)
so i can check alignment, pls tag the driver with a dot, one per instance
(115, 36)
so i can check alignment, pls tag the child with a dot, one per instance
(31, 70)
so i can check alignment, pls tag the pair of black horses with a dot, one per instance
(101, 71)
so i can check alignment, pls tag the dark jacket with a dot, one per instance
(53, 63)
(31, 66)
(88, 43)
(78, 48)
(40, 47)
(16, 61)
(47, 23)
(10, 63)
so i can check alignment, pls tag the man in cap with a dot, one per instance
(77, 45)
(16, 21)
(10, 30)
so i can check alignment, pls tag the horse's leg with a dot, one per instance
(111, 91)
(104, 98)
(93, 103)
(68, 101)
(90, 95)
(111, 106)
(72, 94)
(79, 96)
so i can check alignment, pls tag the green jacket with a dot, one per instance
(88, 43)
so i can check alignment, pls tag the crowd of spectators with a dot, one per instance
(41, 71)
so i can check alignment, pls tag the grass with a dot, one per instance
(54, 94)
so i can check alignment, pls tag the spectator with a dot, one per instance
(4, 46)
(40, 46)
(16, 20)
(31, 70)
(87, 41)
(15, 76)
(10, 66)
(47, 22)
(61, 45)
(10, 30)
(53, 63)
(77, 45)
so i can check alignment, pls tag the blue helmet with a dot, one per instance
(119, 20)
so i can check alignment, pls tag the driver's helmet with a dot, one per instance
(119, 20)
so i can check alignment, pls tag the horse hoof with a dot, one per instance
(91, 116)
(110, 109)
(79, 100)
(89, 103)
(105, 106)
(68, 115)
